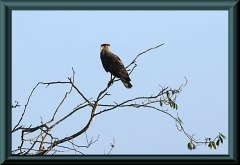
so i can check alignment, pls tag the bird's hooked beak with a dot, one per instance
(101, 47)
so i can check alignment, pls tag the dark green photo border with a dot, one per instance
(6, 7)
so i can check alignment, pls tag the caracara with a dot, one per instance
(113, 64)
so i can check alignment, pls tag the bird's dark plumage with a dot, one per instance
(113, 64)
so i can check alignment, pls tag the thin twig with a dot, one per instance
(143, 53)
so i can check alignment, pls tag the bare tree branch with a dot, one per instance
(48, 143)
(143, 53)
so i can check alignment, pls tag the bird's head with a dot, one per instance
(105, 46)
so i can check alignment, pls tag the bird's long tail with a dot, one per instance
(127, 84)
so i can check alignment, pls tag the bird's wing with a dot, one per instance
(118, 61)
(117, 68)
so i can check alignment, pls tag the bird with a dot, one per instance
(113, 64)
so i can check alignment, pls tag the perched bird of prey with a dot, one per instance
(113, 64)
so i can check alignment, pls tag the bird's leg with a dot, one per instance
(111, 81)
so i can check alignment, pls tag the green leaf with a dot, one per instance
(167, 94)
(176, 106)
(224, 137)
(220, 138)
(214, 145)
(217, 143)
(170, 104)
(161, 103)
(190, 146)
(194, 147)
(210, 145)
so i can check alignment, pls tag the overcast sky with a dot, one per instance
(47, 44)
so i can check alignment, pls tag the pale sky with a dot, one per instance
(47, 44)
